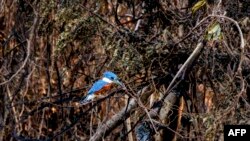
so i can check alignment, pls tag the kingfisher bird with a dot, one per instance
(101, 86)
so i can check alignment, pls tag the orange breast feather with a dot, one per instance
(104, 89)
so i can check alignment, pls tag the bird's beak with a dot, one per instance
(119, 83)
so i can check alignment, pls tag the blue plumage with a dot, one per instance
(98, 85)
(110, 75)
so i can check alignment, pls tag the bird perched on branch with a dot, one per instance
(101, 86)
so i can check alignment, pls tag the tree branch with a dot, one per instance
(117, 119)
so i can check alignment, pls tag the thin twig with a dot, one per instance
(242, 44)
(30, 43)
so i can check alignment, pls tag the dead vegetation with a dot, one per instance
(185, 65)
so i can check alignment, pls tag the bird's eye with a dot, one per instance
(112, 78)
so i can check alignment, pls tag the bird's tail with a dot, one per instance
(86, 99)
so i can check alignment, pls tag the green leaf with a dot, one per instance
(198, 5)
(214, 32)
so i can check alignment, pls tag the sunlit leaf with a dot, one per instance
(198, 5)
(214, 32)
